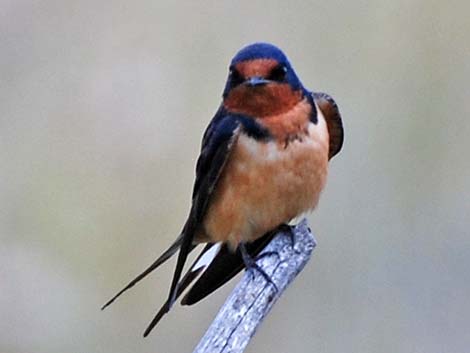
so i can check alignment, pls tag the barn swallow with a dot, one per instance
(263, 162)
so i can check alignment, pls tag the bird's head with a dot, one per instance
(261, 82)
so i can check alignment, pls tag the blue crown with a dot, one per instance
(260, 51)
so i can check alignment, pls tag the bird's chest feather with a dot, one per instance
(265, 184)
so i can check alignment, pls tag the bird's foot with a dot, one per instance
(289, 230)
(250, 263)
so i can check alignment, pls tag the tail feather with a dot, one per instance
(186, 247)
(165, 256)
(192, 273)
(225, 265)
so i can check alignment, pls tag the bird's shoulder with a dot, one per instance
(218, 140)
(330, 111)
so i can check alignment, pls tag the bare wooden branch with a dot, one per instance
(253, 297)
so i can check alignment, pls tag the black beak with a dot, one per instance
(256, 81)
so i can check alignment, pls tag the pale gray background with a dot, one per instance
(102, 108)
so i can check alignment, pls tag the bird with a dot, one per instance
(263, 162)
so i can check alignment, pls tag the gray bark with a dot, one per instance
(253, 297)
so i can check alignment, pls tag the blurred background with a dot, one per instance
(102, 109)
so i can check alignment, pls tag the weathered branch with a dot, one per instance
(253, 297)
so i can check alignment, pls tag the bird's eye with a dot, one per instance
(235, 77)
(278, 73)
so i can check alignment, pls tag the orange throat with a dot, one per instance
(282, 111)
(271, 99)
(289, 125)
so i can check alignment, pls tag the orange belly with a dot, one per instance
(265, 184)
